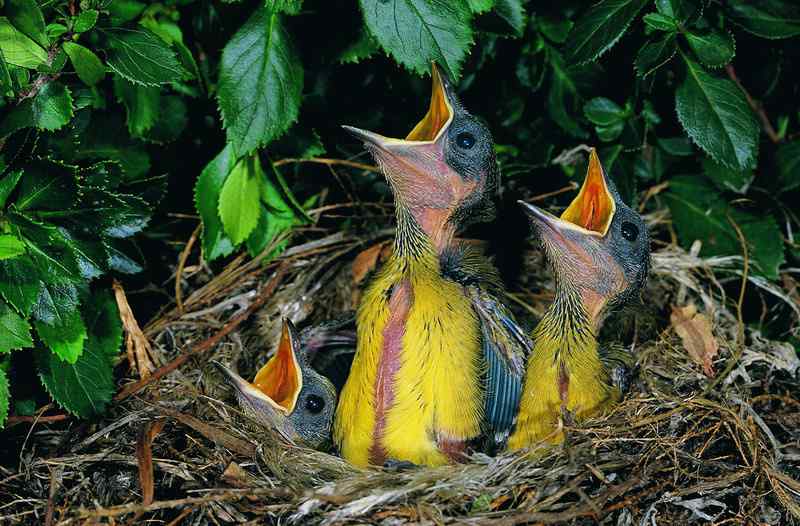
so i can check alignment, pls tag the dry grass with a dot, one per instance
(681, 448)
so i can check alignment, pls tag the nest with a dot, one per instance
(173, 448)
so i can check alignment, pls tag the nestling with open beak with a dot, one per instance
(600, 253)
(287, 394)
(439, 360)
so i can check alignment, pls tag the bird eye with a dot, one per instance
(465, 140)
(630, 231)
(315, 404)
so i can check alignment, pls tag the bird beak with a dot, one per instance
(594, 207)
(409, 163)
(272, 395)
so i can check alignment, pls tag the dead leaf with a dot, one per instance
(136, 344)
(695, 331)
(366, 260)
(236, 476)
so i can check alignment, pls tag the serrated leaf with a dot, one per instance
(726, 178)
(48, 250)
(20, 283)
(660, 22)
(65, 338)
(10, 246)
(85, 387)
(699, 212)
(119, 256)
(142, 104)
(87, 66)
(46, 186)
(788, 161)
(260, 82)
(26, 16)
(206, 200)
(714, 49)
(15, 333)
(363, 48)
(655, 54)
(85, 21)
(5, 398)
(599, 29)
(238, 199)
(7, 185)
(717, 118)
(123, 11)
(418, 32)
(142, 57)
(18, 49)
(52, 106)
(603, 111)
(513, 13)
(766, 18)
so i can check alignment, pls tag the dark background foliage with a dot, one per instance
(124, 121)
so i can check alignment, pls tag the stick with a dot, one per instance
(229, 327)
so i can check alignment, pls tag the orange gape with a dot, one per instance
(438, 113)
(279, 378)
(594, 206)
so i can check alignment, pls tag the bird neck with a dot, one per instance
(422, 234)
(568, 329)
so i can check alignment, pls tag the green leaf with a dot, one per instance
(660, 22)
(238, 199)
(142, 104)
(206, 199)
(562, 99)
(714, 49)
(48, 250)
(8, 184)
(699, 212)
(726, 178)
(678, 10)
(66, 338)
(556, 29)
(123, 11)
(20, 283)
(260, 83)
(26, 16)
(10, 246)
(52, 106)
(290, 7)
(364, 47)
(677, 146)
(655, 54)
(88, 67)
(18, 49)
(610, 132)
(788, 160)
(480, 6)
(717, 118)
(513, 13)
(15, 333)
(47, 186)
(85, 21)
(5, 398)
(603, 111)
(599, 29)
(142, 57)
(85, 387)
(171, 122)
(766, 18)
(418, 32)
(56, 304)
(120, 258)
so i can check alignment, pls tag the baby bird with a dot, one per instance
(439, 360)
(287, 394)
(600, 253)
